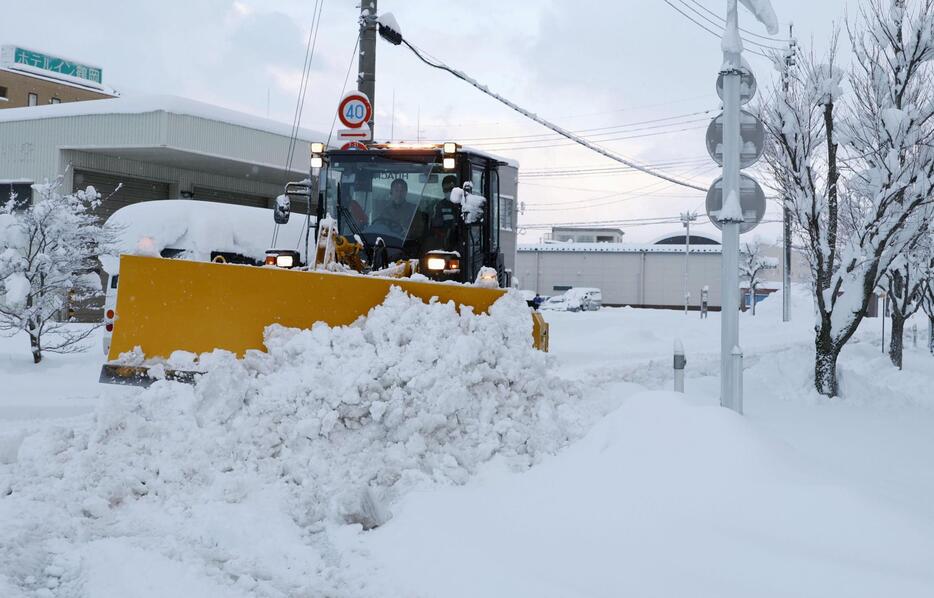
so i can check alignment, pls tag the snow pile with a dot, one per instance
(327, 428)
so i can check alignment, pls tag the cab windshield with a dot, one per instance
(404, 201)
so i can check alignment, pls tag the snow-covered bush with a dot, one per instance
(48, 252)
(857, 174)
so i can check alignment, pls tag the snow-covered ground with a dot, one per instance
(244, 486)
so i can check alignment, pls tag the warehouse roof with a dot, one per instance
(156, 103)
(615, 248)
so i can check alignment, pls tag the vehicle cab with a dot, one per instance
(449, 207)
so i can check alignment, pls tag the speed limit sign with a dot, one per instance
(354, 110)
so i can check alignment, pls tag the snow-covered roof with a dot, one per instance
(615, 248)
(507, 161)
(156, 103)
(68, 81)
(694, 233)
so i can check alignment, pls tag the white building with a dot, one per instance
(586, 235)
(649, 275)
(157, 147)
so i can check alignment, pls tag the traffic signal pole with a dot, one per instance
(731, 215)
(366, 58)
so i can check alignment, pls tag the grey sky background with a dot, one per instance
(584, 64)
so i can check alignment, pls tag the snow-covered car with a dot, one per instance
(575, 299)
(194, 230)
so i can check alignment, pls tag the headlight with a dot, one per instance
(448, 164)
(437, 263)
(283, 258)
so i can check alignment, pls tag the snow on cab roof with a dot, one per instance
(615, 248)
(200, 227)
(156, 103)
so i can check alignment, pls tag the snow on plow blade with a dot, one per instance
(167, 305)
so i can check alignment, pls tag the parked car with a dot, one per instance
(575, 299)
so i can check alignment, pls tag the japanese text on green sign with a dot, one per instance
(56, 65)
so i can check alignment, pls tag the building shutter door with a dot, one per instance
(231, 197)
(132, 190)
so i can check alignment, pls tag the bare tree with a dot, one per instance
(752, 263)
(48, 252)
(857, 175)
(927, 303)
(905, 281)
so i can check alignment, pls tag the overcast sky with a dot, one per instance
(608, 65)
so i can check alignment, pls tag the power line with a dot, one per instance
(746, 31)
(547, 136)
(707, 29)
(594, 166)
(300, 101)
(473, 124)
(720, 24)
(562, 174)
(397, 38)
(587, 143)
(344, 88)
(303, 83)
(638, 193)
(660, 129)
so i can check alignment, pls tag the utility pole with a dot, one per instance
(786, 211)
(366, 59)
(731, 215)
(686, 219)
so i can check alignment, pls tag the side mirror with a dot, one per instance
(283, 209)
(471, 205)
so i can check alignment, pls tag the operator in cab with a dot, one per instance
(444, 218)
(397, 213)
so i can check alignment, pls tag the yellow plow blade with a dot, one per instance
(166, 305)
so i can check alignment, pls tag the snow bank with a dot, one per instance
(661, 498)
(327, 428)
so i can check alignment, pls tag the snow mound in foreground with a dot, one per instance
(329, 427)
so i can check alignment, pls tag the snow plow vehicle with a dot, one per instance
(435, 220)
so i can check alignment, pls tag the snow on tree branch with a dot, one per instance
(857, 169)
(48, 257)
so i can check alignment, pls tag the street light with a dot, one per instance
(686, 219)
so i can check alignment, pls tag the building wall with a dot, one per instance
(179, 179)
(638, 278)
(19, 86)
(800, 270)
(31, 148)
(37, 150)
